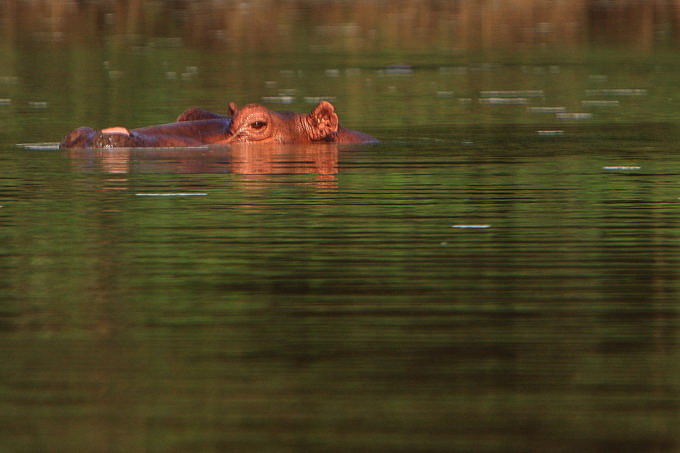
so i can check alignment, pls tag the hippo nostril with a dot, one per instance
(104, 139)
(230, 138)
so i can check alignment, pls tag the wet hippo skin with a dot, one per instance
(253, 123)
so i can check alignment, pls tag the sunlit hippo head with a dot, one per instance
(255, 123)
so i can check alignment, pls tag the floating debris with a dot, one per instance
(9, 80)
(46, 146)
(547, 109)
(278, 99)
(190, 194)
(317, 99)
(472, 227)
(574, 116)
(484, 67)
(621, 167)
(504, 101)
(598, 78)
(399, 69)
(38, 105)
(617, 92)
(512, 94)
(116, 75)
(600, 103)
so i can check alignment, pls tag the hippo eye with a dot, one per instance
(258, 124)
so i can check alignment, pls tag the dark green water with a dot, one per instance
(499, 274)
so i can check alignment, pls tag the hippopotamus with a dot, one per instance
(253, 123)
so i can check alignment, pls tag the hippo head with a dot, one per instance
(78, 138)
(85, 137)
(255, 123)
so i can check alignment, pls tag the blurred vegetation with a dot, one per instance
(382, 63)
(374, 25)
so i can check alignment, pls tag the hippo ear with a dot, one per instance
(233, 109)
(194, 114)
(78, 138)
(323, 121)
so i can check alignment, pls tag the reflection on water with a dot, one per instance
(266, 314)
(318, 160)
(499, 274)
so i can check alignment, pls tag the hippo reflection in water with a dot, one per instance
(253, 123)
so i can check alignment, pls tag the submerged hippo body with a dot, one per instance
(194, 127)
(253, 123)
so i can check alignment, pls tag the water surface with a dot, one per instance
(499, 274)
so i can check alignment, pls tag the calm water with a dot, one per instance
(500, 274)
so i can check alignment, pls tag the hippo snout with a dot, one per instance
(113, 139)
